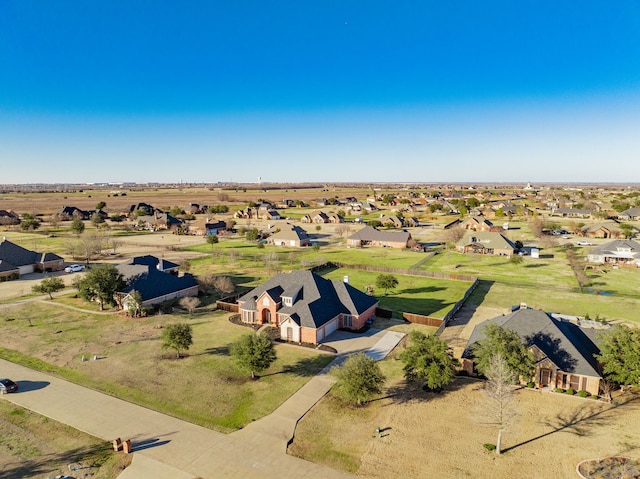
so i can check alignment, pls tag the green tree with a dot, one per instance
(97, 218)
(134, 303)
(627, 230)
(29, 223)
(253, 353)
(212, 239)
(506, 342)
(77, 226)
(620, 355)
(516, 259)
(100, 205)
(428, 359)
(359, 379)
(386, 282)
(177, 336)
(252, 234)
(101, 283)
(48, 286)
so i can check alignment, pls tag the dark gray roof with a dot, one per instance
(568, 346)
(318, 301)
(18, 256)
(151, 283)
(149, 260)
(5, 267)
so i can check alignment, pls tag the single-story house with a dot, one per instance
(619, 252)
(564, 352)
(9, 218)
(486, 242)
(16, 260)
(290, 235)
(630, 214)
(605, 229)
(392, 221)
(71, 212)
(207, 227)
(317, 217)
(370, 236)
(159, 221)
(307, 307)
(572, 213)
(156, 280)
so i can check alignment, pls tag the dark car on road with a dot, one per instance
(7, 386)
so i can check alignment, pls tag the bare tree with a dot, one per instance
(190, 303)
(206, 282)
(342, 229)
(453, 235)
(536, 227)
(500, 409)
(224, 285)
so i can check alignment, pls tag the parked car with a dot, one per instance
(74, 268)
(584, 243)
(7, 386)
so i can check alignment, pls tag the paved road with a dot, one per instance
(172, 448)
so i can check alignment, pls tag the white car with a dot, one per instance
(74, 268)
(584, 243)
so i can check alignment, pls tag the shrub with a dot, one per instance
(559, 390)
(593, 396)
(531, 384)
(570, 391)
(583, 394)
(489, 447)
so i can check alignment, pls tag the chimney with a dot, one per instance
(346, 279)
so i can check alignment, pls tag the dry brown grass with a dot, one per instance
(442, 435)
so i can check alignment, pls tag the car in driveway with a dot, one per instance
(584, 243)
(7, 386)
(74, 268)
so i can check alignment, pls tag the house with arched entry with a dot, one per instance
(307, 307)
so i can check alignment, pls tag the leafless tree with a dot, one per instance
(342, 229)
(206, 282)
(190, 303)
(224, 285)
(453, 235)
(500, 408)
(536, 227)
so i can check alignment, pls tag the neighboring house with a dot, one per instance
(71, 213)
(16, 260)
(159, 221)
(606, 230)
(627, 215)
(307, 307)
(564, 353)
(9, 218)
(271, 214)
(392, 221)
(317, 217)
(486, 242)
(370, 236)
(156, 280)
(144, 208)
(293, 236)
(618, 252)
(572, 213)
(207, 227)
(477, 223)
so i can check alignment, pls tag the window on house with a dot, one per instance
(265, 301)
(574, 382)
(347, 321)
(287, 301)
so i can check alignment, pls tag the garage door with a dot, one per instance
(331, 327)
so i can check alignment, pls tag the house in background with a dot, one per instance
(156, 280)
(207, 226)
(307, 307)
(477, 223)
(159, 221)
(16, 261)
(617, 252)
(9, 218)
(631, 214)
(486, 242)
(605, 229)
(72, 213)
(370, 236)
(564, 353)
(290, 235)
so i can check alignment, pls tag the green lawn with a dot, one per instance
(414, 294)
(205, 387)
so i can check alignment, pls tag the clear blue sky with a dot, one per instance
(420, 91)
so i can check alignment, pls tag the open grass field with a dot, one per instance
(442, 435)
(204, 387)
(414, 294)
(36, 446)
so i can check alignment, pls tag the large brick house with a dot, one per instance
(370, 236)
(16, 260)
(306, 307)
(564, 352)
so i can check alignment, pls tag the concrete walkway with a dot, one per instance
(166, 447)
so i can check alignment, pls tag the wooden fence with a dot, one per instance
(384, 313)
(408, 272)
(420, 319)
(456, 308)
(229, 307)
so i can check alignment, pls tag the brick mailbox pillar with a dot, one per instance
(117, 444)
(127, 447)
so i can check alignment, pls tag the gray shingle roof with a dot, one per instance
(318, 301)
(568, 346)
(369, 233)
(142, 275)
(18, 256)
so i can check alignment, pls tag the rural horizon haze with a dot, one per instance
(138, 91)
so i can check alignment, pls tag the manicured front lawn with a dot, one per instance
(204, 387)
(414, 294)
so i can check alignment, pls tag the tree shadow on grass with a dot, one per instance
(429, 289)
(580, 422)
(405, 392)
(305, 367)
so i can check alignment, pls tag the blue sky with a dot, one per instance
(414, 91)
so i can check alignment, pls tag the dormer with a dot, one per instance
(290, 295)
